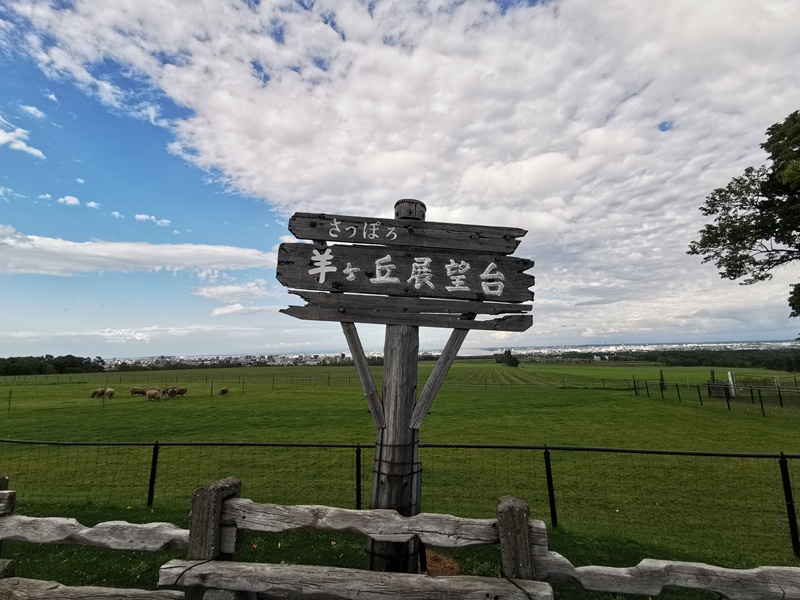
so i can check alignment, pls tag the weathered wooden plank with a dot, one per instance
(16, 588)
(205, 520)
(515, 544)
(8, 502)
(364, 374)
(405, 272)
(298, 582)
(117, 535)
(206, 539)
(384, 524)
(396, 464)
(412, 305)
(319, 313)
(401, 232)
(650, 577)
(437, 376)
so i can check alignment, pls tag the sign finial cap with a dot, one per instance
(408, 208)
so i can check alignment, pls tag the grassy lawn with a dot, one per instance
(613, 509)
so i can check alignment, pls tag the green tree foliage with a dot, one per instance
(507, 359)
(50, 365)
(756, 224)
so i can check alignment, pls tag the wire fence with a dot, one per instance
(710, 502)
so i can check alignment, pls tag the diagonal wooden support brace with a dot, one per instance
(436, 378)
(364, 374)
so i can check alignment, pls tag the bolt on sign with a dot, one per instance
(401, 272)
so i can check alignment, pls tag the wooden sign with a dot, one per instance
(400, 272)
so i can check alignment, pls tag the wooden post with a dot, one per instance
(515, 538)
(205, 528)
(395, 478)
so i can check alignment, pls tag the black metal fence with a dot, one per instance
(709, 500)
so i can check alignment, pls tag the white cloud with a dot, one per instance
(44, 196)
(16, 141)
(33, 111)
(79, 180)
(239, 309)
(256, 288)
(69, 201)
(117, 215)
(158, 222)
(20, 253)
(92, 205)
(598, 126)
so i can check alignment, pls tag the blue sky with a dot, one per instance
(151, 155)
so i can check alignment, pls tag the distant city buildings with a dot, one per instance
(597, 353)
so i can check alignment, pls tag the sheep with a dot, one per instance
(153, 394)
(108, 393)
(137, 391)
(223, 391)
(172, 392)
(181, 391)
(98, 392)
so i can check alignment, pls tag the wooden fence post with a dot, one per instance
(205, 529)
(7, 505)
(515, 539)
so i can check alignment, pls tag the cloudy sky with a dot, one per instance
(151, 154)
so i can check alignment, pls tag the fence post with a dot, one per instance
(358, 476)
(761, 401)
(728, 397)
(151, 488)
(9, 399)
(752, 396)
(787, 494)
(700, 394)
(515, 538)
(205, 525)
(678, 389)
(647, 388)
(551, 493)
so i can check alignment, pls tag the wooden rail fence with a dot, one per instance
(218, 515)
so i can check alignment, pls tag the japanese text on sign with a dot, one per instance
(423, 274)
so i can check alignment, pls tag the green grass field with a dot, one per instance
(613, 509)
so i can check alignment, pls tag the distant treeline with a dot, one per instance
(779, 359)
(50, 365)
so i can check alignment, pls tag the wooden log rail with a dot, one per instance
(116, 535)
(381, 524)
(524, 553)
(331, 583)
(651, 577)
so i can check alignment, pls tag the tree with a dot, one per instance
(757, 215)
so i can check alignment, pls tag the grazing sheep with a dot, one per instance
(108, 393)
(153, 394)
(137, 391)
(223, 391)
(172, 392)
(98, 392)
(181, 391)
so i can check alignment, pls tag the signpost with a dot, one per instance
(404, 273)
